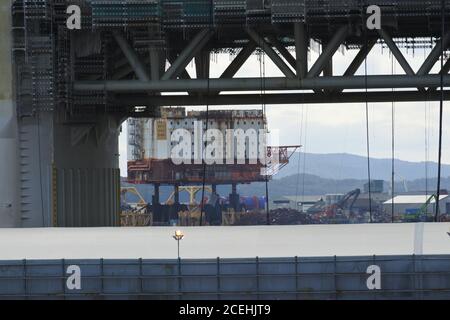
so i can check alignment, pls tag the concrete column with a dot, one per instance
(155, 198)
(176, 195)
(9, 157)
(234, 198)
(86, 160)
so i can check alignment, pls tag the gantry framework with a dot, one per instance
(135, 53)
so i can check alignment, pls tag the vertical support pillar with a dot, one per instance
(155, 198)
(202, 64)
(9, 155)
(155, 66)
(86, 160)
(234, 198)
(176, 194)
(156, 207)
(328, 69)
(301, 49)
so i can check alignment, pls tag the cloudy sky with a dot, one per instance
(338, 128)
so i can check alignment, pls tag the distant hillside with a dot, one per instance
(347, 166)
(330, 173)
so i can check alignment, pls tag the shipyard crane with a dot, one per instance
(346, 202)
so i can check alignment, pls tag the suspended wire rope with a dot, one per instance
(205, 69)
(427, 106)
(441, 111)
(367, 116)
(392, 146)
(305, 139)
(262, 75)
(426, 120)
(301, 114)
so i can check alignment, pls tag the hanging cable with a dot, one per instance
(304, 152)
(262, 75)
(393, 146)
(441, 111)
(202, 203)
(363, 15)
(427, 138)
(301, 111)
(426, 120)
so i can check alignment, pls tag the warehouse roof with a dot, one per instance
(226, 242)
(414, 199)
(305, 198)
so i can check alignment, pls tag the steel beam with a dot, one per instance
(183, 74)
(202, 64)
(301, 49)
(121, 72)
(328, 67)
(132, 57)
(359, 58)
(283, 51)
(271, 53)
(254, 84)
(445, 70)
(195, 46)
(434, 55)
(280, 98)
(155, 57)
(396, 52)
(328, 52)
(239, 60)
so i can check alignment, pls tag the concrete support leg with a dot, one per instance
(234, 198)
(9, 158)
(176, 195)
(86, 164)
(155, 197)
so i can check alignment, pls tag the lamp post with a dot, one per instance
(178, 236)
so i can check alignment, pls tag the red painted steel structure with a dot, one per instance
(150, 171)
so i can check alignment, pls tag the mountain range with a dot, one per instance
(331, 173)
(348, 166)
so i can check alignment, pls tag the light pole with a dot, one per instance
(178, 236)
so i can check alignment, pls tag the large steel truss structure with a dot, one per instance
(73, 88)
(118, 59)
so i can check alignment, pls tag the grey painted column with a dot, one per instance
(86, 159)
(155, 198)
(9, 172)
(176, 194)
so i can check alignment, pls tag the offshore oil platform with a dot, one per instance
(150, 160)
(73, 83)
(71, 73)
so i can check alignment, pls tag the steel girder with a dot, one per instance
(327, 87)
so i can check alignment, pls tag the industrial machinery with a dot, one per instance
(241, 142)
(422, 214)
(134, 214)
(69, 87)
(342, 210)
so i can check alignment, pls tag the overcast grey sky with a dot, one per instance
(337, 128)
